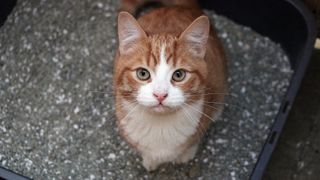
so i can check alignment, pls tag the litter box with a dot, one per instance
(286, 22)
(289, 23)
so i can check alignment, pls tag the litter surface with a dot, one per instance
(57, 114)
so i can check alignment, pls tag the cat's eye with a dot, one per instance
(143, 74)
(179, 75)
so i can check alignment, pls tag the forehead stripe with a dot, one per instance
(154, 59)
(163, 54)
(170, 57)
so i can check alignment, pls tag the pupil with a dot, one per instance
(178, 74)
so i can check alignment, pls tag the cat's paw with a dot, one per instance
(187, 155)
(149, 164)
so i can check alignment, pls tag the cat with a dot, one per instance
(169, 65)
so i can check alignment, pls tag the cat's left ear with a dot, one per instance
(195, 37)
(129, 32)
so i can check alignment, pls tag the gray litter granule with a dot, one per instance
(56, 59)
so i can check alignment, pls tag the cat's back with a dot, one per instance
(172, 20)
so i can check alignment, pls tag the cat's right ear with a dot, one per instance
(129, 32)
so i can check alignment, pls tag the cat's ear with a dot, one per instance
(195, 37)
(129, 32)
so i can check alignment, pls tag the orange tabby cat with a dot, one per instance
(168, 66)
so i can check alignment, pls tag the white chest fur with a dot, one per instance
(160, 136)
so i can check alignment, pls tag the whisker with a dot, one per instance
(113, 93)
(131, 111)
(202, 129)
(197, 94)
(115, 96)
(200, 112)
(217, 109)
(143, 116)
(102, 92)
(226, 104)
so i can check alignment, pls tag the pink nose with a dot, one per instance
(160, 96)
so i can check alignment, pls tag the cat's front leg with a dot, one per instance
(188, 154)
(149, 163)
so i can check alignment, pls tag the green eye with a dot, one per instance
(179, 75)
(143, 74)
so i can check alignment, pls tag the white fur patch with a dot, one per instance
(159, 136)
(161, 81)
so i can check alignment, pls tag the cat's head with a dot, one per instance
(161, 72)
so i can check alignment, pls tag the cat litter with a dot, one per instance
(55, 121)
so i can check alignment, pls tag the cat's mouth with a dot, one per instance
(160, 108)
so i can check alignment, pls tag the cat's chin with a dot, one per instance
(161, 109)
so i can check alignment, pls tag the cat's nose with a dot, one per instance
(160, 96)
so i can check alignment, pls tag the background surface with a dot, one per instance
(297, 153)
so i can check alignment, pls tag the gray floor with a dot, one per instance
(297, 154)
(56, 117)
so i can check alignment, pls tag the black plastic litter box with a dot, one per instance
(286, 22)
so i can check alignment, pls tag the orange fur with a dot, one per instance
(166, 26)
